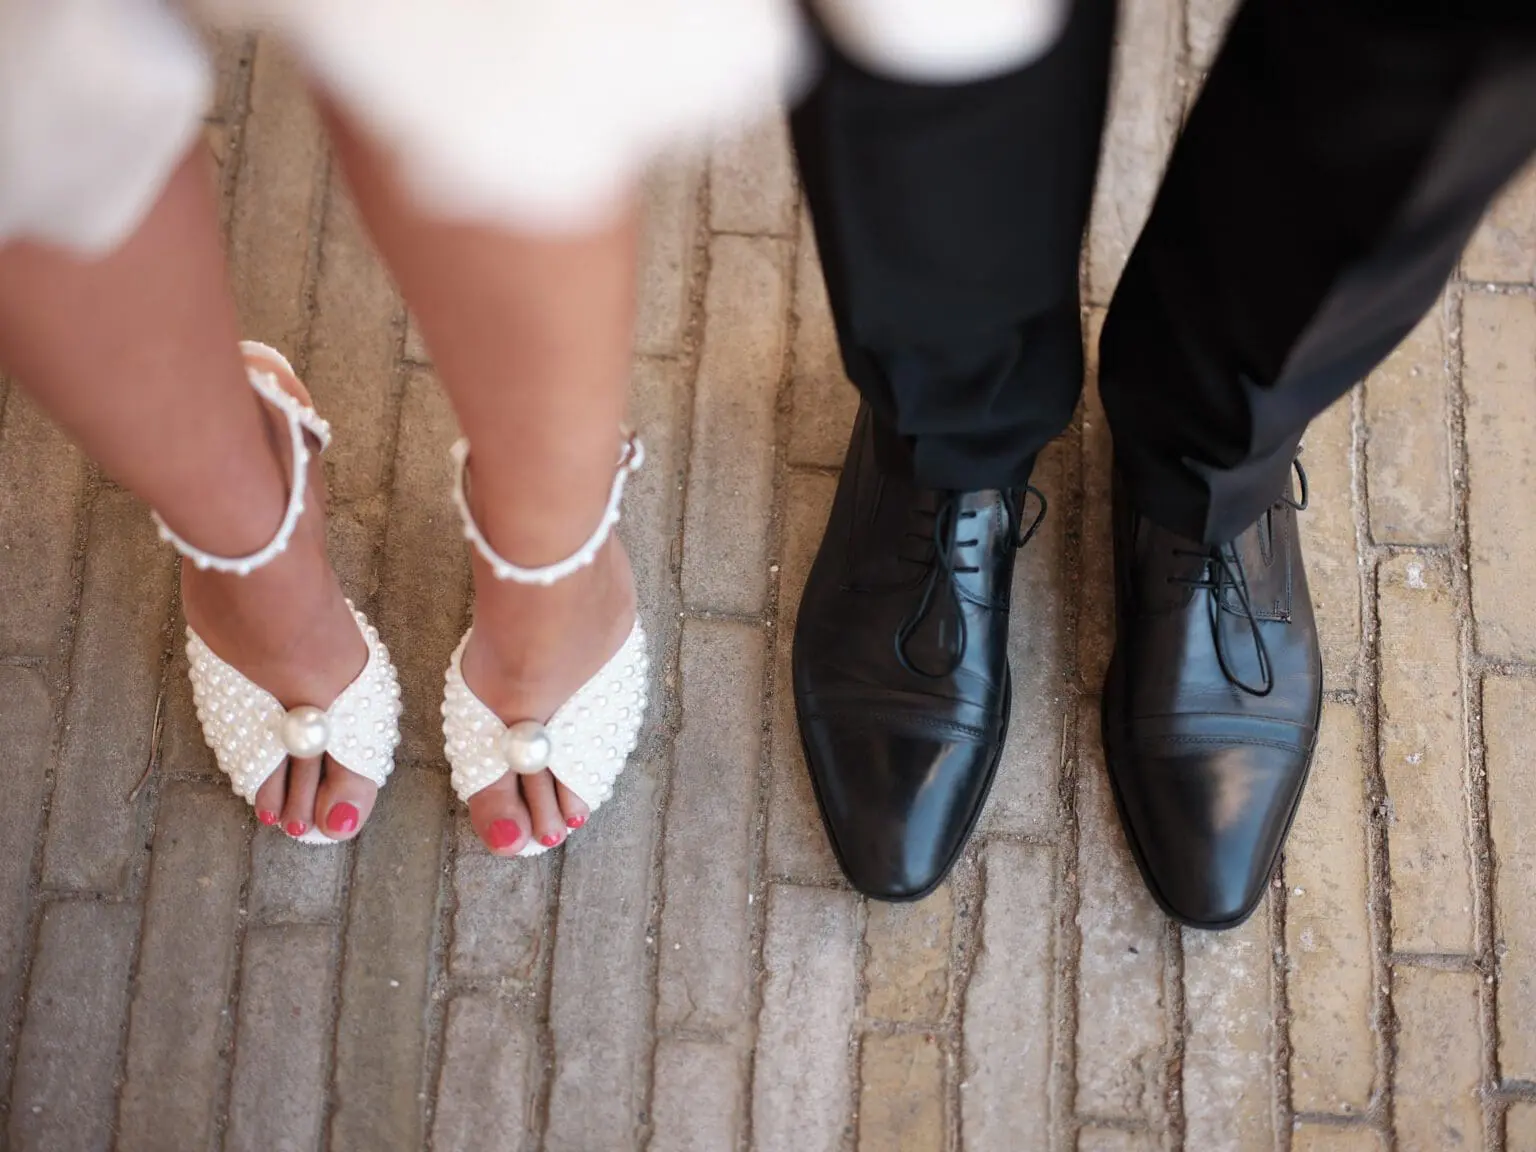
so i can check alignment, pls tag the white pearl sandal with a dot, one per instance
(588, 740)
(250, 732)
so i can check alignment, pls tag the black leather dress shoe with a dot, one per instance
(901, 670)
(1211, 707)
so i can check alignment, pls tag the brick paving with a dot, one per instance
(692, 973)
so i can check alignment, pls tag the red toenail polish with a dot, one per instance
(295, 828)
(575, 821)
(503, 834)
(267, 818)
(343, 819)
(549, 841)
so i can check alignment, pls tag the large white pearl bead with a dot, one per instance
(306, 731)
(525, 746)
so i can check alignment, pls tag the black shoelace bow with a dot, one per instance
(943, 541)
(1224, 570)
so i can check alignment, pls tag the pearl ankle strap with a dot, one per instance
(301, 419)
(631, 456)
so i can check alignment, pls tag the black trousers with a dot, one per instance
(1333, 168)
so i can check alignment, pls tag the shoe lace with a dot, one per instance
(1223, 570)
(943, 542)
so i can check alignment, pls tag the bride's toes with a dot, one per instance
(548, 823)
(572, 809)
(344, 801)
(298, 814)
(500, 818)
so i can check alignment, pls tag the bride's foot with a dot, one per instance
(531, 649)
(287, 627)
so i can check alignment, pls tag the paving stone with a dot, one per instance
(26, 755)
(1508, 706)
(278, 191)
(294, 883)
(353, 347)
(42, 479)
(667, 257)
(1504, 247)
(1315, 1138)
(901, 1094)
(186, 962)
(802, 1098)
(500, 909)
(485, 1090)
(425, 583)
(352, 535)
(1205, 24)
(730, 486)
(1498, 336)
(1436, 1099)
(1121, 1044)
(94, 834)
(1096, 586)
(380, 1030)
(906, 969)
(752, 181)
(824, 402)
(1408, 451)
(1007, 1029)
(706, 927)
(698, 1097)
(602, 970)
(1520, 1128)
(1144, 106)
(1025, 796)
(1423, 758)
(1328, 541)
(1229, 1079)
(1328, 928)
(797, 844)
(415, 343)
(67, 1058)
(283, 1039)
(232, 56)
(1114, 1140)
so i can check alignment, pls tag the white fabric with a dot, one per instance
(532, 113)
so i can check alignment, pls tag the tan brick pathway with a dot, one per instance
(692, 974)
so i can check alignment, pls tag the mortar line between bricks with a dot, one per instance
(61, 689)
(1378, 865)
(227, 1031)
(1496, 287)
(1479, 832)
(1280, 1011)
(1177, 1018)
(1355, 1123)
(1439, 961)
(699, 264)
(1515, 1091)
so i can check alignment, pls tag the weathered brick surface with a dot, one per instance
(1328, 538)
(1144, 105)
(415, 343)
(42, 478)
(68, 1051)
(597, 1099)
(824, 403)
(293, 883)
(1205, 24)
(1423, 757)
(1121, 1041)
(1229, 1081)
(1328, 928)
(94, 834)
(1504, 247)
(1316, 1138)
(186, 964)
(1438, 1060)
(1114, 1140)
(752, 181)
(26, 733)
(706, 952)
(698, 1103)
(1520, 1128)
(275, 198)
(1007, 1026)
(1408, 452)
(283, 1039)
(797, 846)
(484, 1093)
(906, 969)
(802, 1098)
(1508, 706)
(901, 1094)
(1499, 354)
(667, 256)
(499, 910)
(725, 546)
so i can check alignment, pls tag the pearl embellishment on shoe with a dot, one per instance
(526, 747)
(306, 731)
